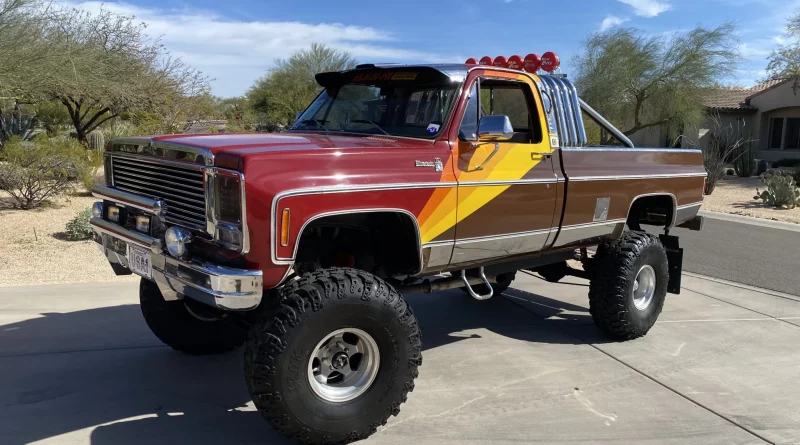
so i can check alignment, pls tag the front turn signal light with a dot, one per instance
(285, 228)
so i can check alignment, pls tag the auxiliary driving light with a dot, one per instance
(176, 239)
(113, 213)
(97, 209)
(143, 224)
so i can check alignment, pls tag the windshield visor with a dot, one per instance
(408, 102)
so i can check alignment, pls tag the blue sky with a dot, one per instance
(235, 42)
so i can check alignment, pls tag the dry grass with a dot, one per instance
(33, 250)
(735, 195)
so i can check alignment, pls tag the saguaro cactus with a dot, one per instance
(96, 140)
(745, 161)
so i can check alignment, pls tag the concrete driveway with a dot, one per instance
(722, 366)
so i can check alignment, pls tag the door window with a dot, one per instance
(468, 130)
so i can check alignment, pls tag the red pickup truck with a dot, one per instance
(394, 180)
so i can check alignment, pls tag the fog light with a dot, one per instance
(97, 209)
(113, 213)
(177, 238)
(143, 224)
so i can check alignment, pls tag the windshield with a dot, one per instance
(382, 103)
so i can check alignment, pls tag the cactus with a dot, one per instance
(11, 126)
(781, 190)
(745, 163)
(96, 140)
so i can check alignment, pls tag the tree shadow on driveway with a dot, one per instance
(101, 373)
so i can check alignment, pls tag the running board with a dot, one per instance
(486, 282)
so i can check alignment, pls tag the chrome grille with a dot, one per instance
(179, 186)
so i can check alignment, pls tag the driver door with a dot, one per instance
(506, 185)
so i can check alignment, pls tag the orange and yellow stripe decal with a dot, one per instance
(448, 206)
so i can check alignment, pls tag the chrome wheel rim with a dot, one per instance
(343, 365)
(644, 287)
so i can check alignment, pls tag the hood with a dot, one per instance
(246, 144)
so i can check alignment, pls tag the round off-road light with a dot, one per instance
(177, 238)
(97, 209)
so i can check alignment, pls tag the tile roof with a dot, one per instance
(727, 98)
(737, 99)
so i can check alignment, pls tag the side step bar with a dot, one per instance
(474, 294)
(428, 286)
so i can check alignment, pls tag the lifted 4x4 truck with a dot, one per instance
(394, 180)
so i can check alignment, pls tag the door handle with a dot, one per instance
(543, 155)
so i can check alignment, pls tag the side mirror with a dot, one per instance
(495, 128)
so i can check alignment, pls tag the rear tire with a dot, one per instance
(292, 356)
(176, 327)
(629, 285)
(503, 282)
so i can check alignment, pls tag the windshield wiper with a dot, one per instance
(317, 122)
(367, 121)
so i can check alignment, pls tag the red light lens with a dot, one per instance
(501, 62)
(550, 61)
(486, 60)
(471, 61)
(515, 62)
(532, 63)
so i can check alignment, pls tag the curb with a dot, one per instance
(750, 220)
(761, 290)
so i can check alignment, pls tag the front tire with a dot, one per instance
(300, 362)
(175, 326)
(629, 285)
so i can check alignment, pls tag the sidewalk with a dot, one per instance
(720, 367)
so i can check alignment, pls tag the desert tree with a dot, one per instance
(639, 81)
(289, 86)
(785, 60)
(106, 64)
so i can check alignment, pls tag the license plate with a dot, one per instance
(139, 262)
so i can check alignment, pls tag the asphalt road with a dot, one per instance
(758, 256)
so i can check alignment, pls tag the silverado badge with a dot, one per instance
(436, 164)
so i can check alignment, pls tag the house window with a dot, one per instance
(792, 134)
(775, 133)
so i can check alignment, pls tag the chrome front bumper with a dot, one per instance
(217, 286)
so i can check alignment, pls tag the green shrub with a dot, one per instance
(730, 172)
(781, 190)
(118, 129)
(786, 162)
(40, 170)
(53, 116)
(796, 174)
(89, 174)
(78, 228)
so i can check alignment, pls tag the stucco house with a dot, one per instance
(768, 113)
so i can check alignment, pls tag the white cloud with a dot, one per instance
(234, 52)
(754, 49)
(611, 22)
(647, 8)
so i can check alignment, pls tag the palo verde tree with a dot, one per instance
(105, 64)
(639, 81)
(785, 60)
(290, 86)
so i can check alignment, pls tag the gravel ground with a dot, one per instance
(735, 195)
(45, 257)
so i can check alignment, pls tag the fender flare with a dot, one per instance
(671, 223)
(404, 212)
